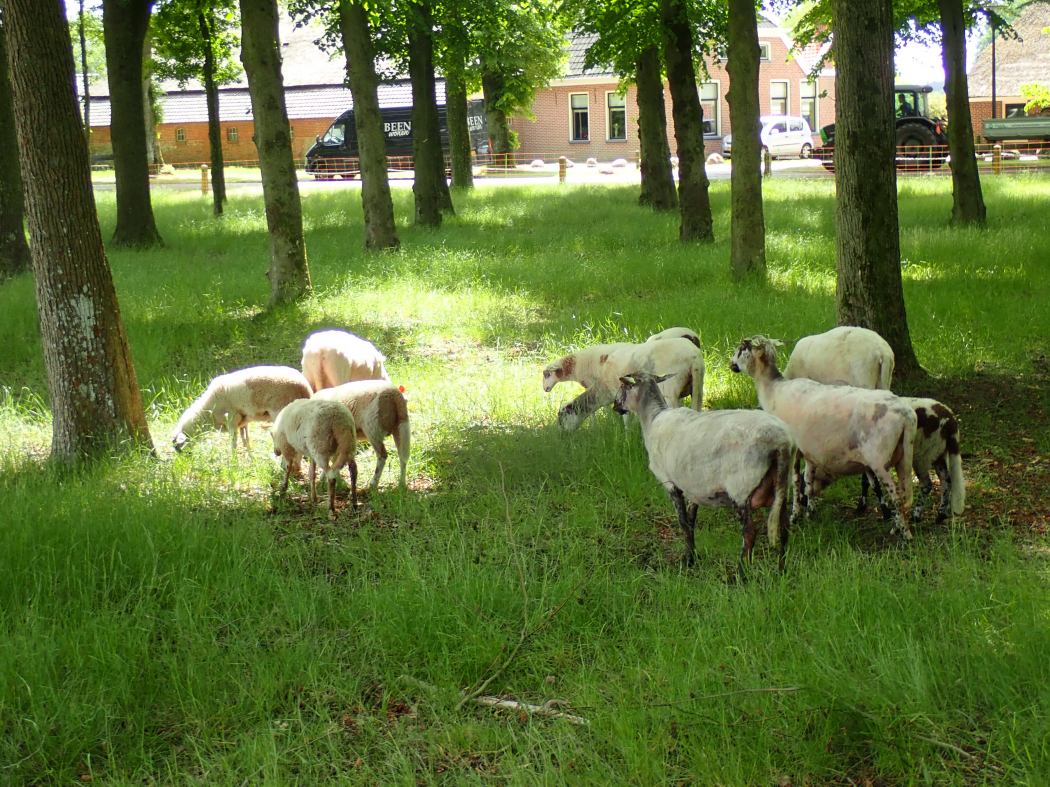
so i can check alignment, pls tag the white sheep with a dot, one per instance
(846, 355)
(679, 361)
(379, 410)
(324, 431)
(722, 458)
(676, 333)
(840, 430)
(936, 447)
(331, 358)
(231, 401)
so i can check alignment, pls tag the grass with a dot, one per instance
(172, 622)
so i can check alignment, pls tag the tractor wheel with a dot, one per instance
(918, 148)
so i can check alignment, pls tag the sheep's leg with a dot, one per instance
(944, 506)
(381, 455)
(925, 489)
(232, 428)
(685, 523)
(880, 498)
(313, 481)
(900, 524)
(245, 438)
(353, 482)
(287, 475)
(862, 503)
(799, 500)
(747, 529)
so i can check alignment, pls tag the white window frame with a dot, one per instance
(572, 118)
(765, 52)
(608, 117)
(232, 134)
(802, 85)
(180, 135)
(717, 103)
(787, 96)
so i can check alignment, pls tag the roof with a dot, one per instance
(1017, 62)
(316, 101)
(577, 47)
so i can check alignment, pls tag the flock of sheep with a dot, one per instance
(831, 406)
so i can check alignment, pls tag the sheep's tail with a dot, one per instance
(886, 373)
(698, 384)
(955, 473)
(782, 461)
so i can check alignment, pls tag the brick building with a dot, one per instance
(1019, 61)
(583, 114)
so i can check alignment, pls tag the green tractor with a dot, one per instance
(922, 141)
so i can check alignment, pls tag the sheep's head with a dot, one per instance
(634, 387)
(570, 416)
(188, 428)
(558, 371)
(755, 354)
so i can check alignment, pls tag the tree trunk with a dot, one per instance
(456, 109)
(967, 198)
(124, 26)
(380, 228)
(748, 227)
(688, 117)
(260, 54)
(427, 159)
(496, 118)
(153, 154)
(14, 251)
(95, 399)
(211, 92)
(85, 79)
(870, 291)
(658, 187)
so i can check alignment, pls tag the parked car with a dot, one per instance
(782, 135)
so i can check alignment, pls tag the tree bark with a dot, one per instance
(125, 23)
(427, 159)
(153, 154)
(693, 199)
(748, 227)
(14, 251)
(967, 198)
(211, 92)
(456, 109)
(870, 290)
(260, 53)
(658, 187)
(95, 399)
(496, 118)
(84, 78)
(380, 228)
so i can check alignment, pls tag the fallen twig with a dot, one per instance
(546, 709)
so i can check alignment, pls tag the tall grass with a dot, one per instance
(172, 621)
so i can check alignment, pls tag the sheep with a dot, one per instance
(325, 432)
(722, 458)
(584, 366)
(679, 360)
(231, 401)
(331, 358)
(379, 409)
(840, 430)
(936, 447)
(846, 355)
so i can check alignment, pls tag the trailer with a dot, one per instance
(1031, 128)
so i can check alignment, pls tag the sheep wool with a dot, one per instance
(331, 358)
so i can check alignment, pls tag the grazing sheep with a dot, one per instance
(937, 448)
(379, 409)
(537, 163)
(592, 162)
(722, 458)
(676, 333)
(331, 358)
(846, 355)
(716, 158)
(840, 430)
(619, 163)
(679, 361)
(325, 432)
(231, 401)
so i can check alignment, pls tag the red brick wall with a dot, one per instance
(549, 133)
(981, 110)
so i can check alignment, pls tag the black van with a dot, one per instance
(336, 152)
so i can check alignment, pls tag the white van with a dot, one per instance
(783, 135)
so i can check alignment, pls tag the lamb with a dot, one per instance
(331, 358)
(846, 355)
(231, 401)
(584, 366)
(379, 409)
(722, 458)
(840, 430)
(679, 360)
(936, 447)
(325, 432)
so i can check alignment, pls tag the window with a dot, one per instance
(231, 134)
(579, 104)
(180, 135)
(765, 52)
(333, 138)
(617, 119)
(780, 127)
(795, 125)
(1014, 111)
(709, 100)
(807, 92)
(291, 132)
(778, 98)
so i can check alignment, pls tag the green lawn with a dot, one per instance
(170, 621)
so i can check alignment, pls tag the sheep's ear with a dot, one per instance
(777, 342)
(662, 378)
(628, 380)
